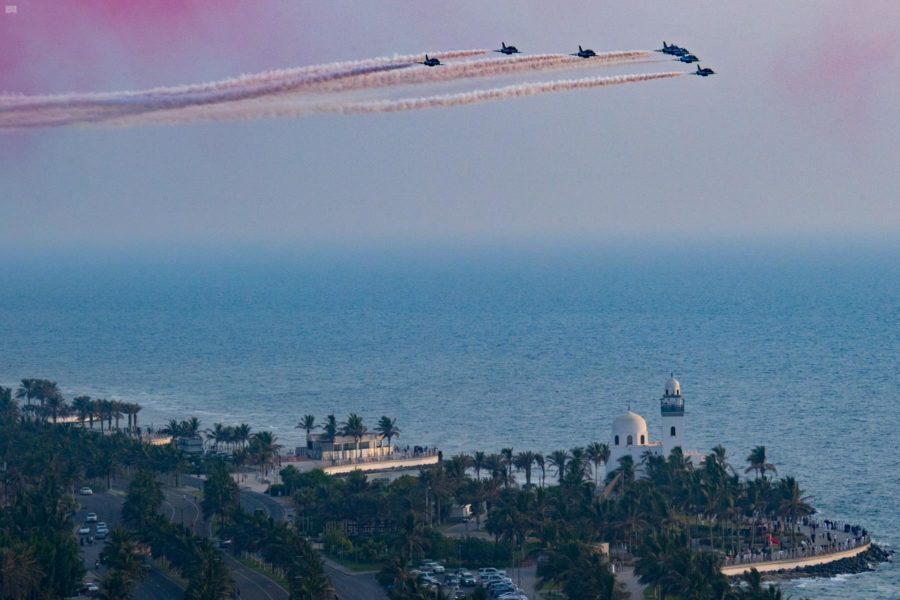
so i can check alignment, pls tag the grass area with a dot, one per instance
(163, 566)
(259, 568)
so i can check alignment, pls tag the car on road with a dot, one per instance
(86, 491)
(90, 589)
(467, 580)
(91, 518)
(84, 529)
(101, 534)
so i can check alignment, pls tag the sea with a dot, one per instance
(790, 344)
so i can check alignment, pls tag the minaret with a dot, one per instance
(672, 408)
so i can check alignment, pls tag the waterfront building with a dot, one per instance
(319, 446)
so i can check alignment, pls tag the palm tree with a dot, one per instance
(135, 409)
(354, 428)
(793, 504)
(478, 458)
(558, 459)
(20, 573)
(242, 434)
(28, 390)
(330, 427)
(119, 555)
(264, 448)
(387, 428)
(598, 454)
(9, 408)
(758, 462)
(524, 461)
(210, 580)
(52, 398)
(82, 405)
(539, 461)
(217, 434)
(308, 422)
(507, 454)
(94, 413)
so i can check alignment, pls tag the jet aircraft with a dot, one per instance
(704, 72)
(688, 58)
(673, 50)
(431, 62)
(584, 52)
(504, 49)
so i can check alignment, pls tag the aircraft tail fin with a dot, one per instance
(503, 44)
(579, 48)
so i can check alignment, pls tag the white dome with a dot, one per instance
(673, 387)
(630, 425)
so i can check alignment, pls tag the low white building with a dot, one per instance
(631, 437)
(344, 447)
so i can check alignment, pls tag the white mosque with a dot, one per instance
(629, 431)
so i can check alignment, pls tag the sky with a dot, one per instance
(796, 135)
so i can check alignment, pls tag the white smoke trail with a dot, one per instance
(482, 68)
(86, 111)
(313, 81)
(293, 74)
(257, 110)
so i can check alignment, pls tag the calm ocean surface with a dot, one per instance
(798, 350)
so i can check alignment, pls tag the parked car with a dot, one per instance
(86, 491)
(91, 518)
(483, 571)
(84, 529)
(468, 580)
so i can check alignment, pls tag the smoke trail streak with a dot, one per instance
(483, 68)
(309, 82)
(257, 110)
(42, 115)
(293, 74)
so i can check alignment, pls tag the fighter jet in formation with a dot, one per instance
(673, 50)
(584, 53)
(431, 62)
(688, 58)
(704, 72)
(504, 49)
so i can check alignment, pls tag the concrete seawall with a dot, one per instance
(793, 563)
(383, 465)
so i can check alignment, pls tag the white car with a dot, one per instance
(91, 518)
(86, 491)
(84, 530)
(435, 567)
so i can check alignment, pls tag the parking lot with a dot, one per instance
(517, 585)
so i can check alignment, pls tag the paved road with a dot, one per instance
(347, 584)
(182, 506)
(108, 506)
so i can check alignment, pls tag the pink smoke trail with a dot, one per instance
(256, 110)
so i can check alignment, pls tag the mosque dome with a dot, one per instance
(630, 429)
(673, 387)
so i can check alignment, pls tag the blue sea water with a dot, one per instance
(793, 347)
